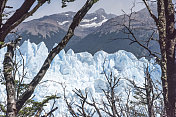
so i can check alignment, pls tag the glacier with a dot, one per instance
(78, 70)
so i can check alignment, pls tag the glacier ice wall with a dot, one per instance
(78, 70)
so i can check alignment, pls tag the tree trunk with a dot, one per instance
(76, 20)
(167, 41)
(149, 91)
(161, 24)
(171, 89)
(10, 84)
(170, 51)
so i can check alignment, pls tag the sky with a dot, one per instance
(110, 6)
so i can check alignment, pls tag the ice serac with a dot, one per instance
(79, 70)
(28, 48)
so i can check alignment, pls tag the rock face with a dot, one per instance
(51, 29)
(97, 31)
(110, 36)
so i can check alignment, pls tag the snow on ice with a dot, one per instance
(78, 70)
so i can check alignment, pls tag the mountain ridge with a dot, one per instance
(97, 31)
(110, 36)
(63, 20)
(51, 29)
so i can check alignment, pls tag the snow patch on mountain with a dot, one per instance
(78, 70)
(66, 14)
(88, 23)
(94, 24)
(89, 20)
(62, 23)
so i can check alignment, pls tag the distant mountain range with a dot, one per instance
(51, 29)
(97, 31)
(110, 36)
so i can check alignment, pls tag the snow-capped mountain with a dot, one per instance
(110, 36)
(51, 29)
(88, 25)
(79, 70)
(97, 31)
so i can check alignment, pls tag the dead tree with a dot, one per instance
(81, 109)
(111, 107)
(147, 101)
(112, 103)
(165, 24)
(149, 95)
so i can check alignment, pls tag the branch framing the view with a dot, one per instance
(76, 20)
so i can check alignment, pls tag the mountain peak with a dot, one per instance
(100, 11)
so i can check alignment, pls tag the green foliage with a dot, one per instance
(1, 43)
(3, 82)
(64, 2)
(2, 109)
(33, 107)
(20, 87)
(4, 15)
(96, 1)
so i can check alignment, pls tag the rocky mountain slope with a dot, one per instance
(51, 29)
(110, 36)
(97, 31)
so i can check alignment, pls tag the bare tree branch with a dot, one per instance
(150, 12)
(143, 46)
(76, 20)
(2, 7)
(20, 15)
(17, 15)
(69, 106)
(50, 112)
